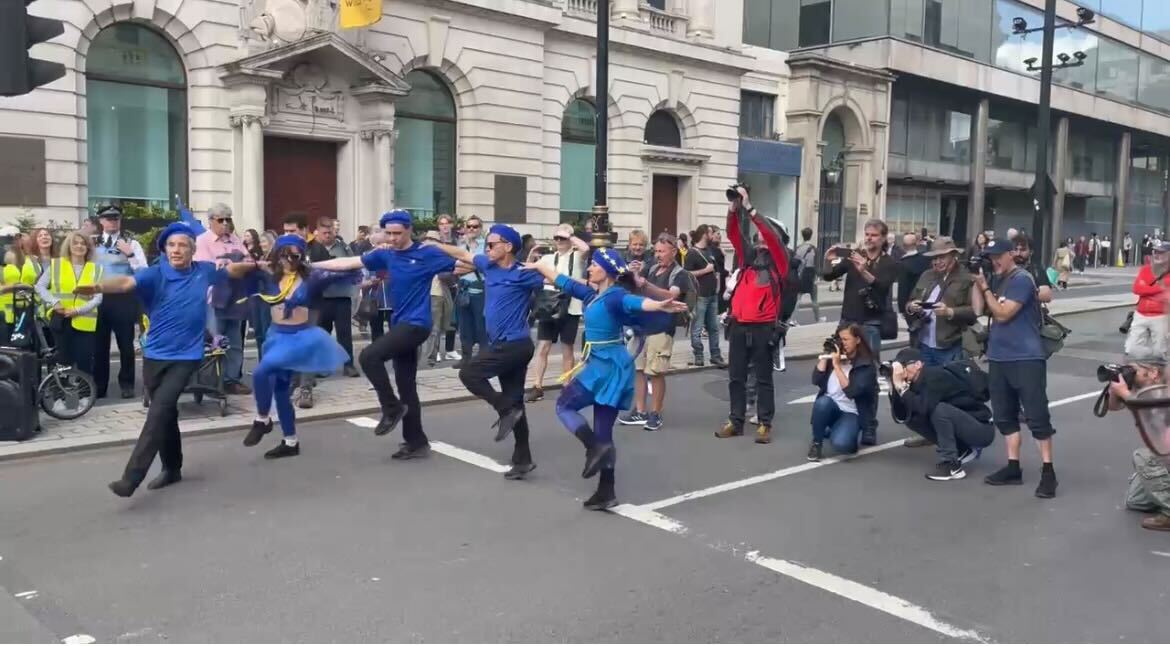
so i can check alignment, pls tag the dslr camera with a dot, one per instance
(733, 191)
(886, 369)
(979, 264)
(832, 345)
(1110, 372)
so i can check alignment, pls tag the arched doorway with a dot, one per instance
(424, 153)
(578, 161)
(832, 186)
(662, 130)
(136, 118)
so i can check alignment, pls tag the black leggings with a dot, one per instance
(401, 345)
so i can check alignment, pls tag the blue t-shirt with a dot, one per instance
(1017, 339)
(176, 304)
(411, 271)
(509, 296)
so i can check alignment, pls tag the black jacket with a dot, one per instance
(885, 272)
(935, 385)
(862, 388)
(910, 269)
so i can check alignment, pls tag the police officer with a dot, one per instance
(117, 255)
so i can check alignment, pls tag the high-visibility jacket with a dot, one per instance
(13, 275)
(62, 282)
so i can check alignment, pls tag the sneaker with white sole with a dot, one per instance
(454, 356)
(653, 422)
(966, 457)
(947, 470)
(633, 418)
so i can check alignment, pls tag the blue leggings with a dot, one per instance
(270, 384)
(575, 397)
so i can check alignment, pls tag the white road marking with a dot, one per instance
(1166, 554)
(1074, 398)
(364, 422)
(451, 451)
(839, 586)
(79, 639)
(767, 477)
(27, 594)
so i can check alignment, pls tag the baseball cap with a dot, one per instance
(907, 356)
(998, 247)
(563, 231)
(1161, 246)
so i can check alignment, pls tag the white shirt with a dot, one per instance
(560, 262)
(137, 256)
(929, 337)
(834, 391)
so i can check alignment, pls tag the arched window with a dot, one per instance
(834, 138)
(578, 154)
(424, 153)
(662, 130)
(136, 111)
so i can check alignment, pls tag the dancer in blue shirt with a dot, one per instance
(174, 293)
(604, 379)
(508, 293)
(293, 343)
(411, 267)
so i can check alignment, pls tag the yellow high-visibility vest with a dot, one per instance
(62, 282)
(13, 275)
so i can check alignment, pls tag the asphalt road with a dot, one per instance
(344, 544)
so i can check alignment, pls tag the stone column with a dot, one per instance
(1120, 193)
(700, 18)
(624, 10)
(250, 214)
(977, 203)
(1059, 175)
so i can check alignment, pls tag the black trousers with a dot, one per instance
(75, 348)
(1020, 384)
(953, 431)
(508, 361)
(165, 381)
(338, 313)
(750, 344)
(401, 345)
(117, 315)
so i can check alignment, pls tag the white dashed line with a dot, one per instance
(27, 594)
(1166, 554)
(78, 639)
(463, 455)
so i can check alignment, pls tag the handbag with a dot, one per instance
(367, 308)
(553, 305)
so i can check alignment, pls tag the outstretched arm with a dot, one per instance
(115, 285)
(347, 263)
(456, 252)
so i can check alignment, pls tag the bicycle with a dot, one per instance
(65, 392)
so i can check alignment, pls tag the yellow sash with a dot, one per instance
(584, 357)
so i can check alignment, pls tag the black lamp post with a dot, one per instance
(1043, 189)
(603, 234)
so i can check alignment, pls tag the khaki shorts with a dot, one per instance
(658, 348)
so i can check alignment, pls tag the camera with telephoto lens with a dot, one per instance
(1110, 372)
(733, 191)
(867, 299)
(979, 264)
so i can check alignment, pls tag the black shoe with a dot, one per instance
(507, 422)
(1008, 475)
(602, 499)
(123, 488)
(410, 453)
(350, 371)
(1047, 486)
(868, 438)
(390, 420)
(947, 470)
(127, 393)
(535, 394)
(719, 363)
(815, 452)
(596, 456)
(283, 450)
(259, 429)
(519, 471)
(164, 479)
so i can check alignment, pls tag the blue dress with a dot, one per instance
(608, 370)
(303, 347)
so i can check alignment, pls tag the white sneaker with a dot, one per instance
(454, 356)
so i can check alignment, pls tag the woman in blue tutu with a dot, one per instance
(293, 343)
(604, 378)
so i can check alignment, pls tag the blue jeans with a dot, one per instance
(472, 328)
(873, 338)
(935, 357)
(233, 366)
(706, 316)
(840, 428)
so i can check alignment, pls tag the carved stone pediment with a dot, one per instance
(305, 91)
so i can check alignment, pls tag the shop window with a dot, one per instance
(756, 114)
(578, 160)
(424, 153)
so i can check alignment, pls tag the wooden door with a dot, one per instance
(299, 175)
(664, 206)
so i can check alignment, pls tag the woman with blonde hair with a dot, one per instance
(72, 318)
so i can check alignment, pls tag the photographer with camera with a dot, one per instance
(869, 275)
(846, 378)
(945, 404)
(1149, 318)
(1018, 366)
(754, 310)
(942, 305)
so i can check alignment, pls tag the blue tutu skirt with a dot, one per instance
(609, 374)
(302, 349)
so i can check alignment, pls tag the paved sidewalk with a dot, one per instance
(341, 397)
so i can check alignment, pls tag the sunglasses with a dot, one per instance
(492, 245)
(474, 226)
(560, 238)
(222, 220)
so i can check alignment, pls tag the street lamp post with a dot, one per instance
(603, 235)
(1043, 189)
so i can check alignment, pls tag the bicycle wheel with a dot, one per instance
(66, 393)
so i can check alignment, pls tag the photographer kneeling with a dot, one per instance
(1149, 486)
(847, 379)
(946, 405)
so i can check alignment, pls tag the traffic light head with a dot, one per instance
(19, 72)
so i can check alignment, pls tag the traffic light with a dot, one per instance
(20, 73)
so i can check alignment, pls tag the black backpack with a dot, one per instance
(552, 305)
(971, 374)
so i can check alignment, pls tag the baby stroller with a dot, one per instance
(207, 381)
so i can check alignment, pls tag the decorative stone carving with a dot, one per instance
(242, 120)
(305, 93)
(369, 135)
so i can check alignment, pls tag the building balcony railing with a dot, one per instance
(662, 22)
(647, 18)
(581, 8)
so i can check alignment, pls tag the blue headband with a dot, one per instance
(509, 235)
(290, 240)
(180, 228)
(397, 216)
(610, 261)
